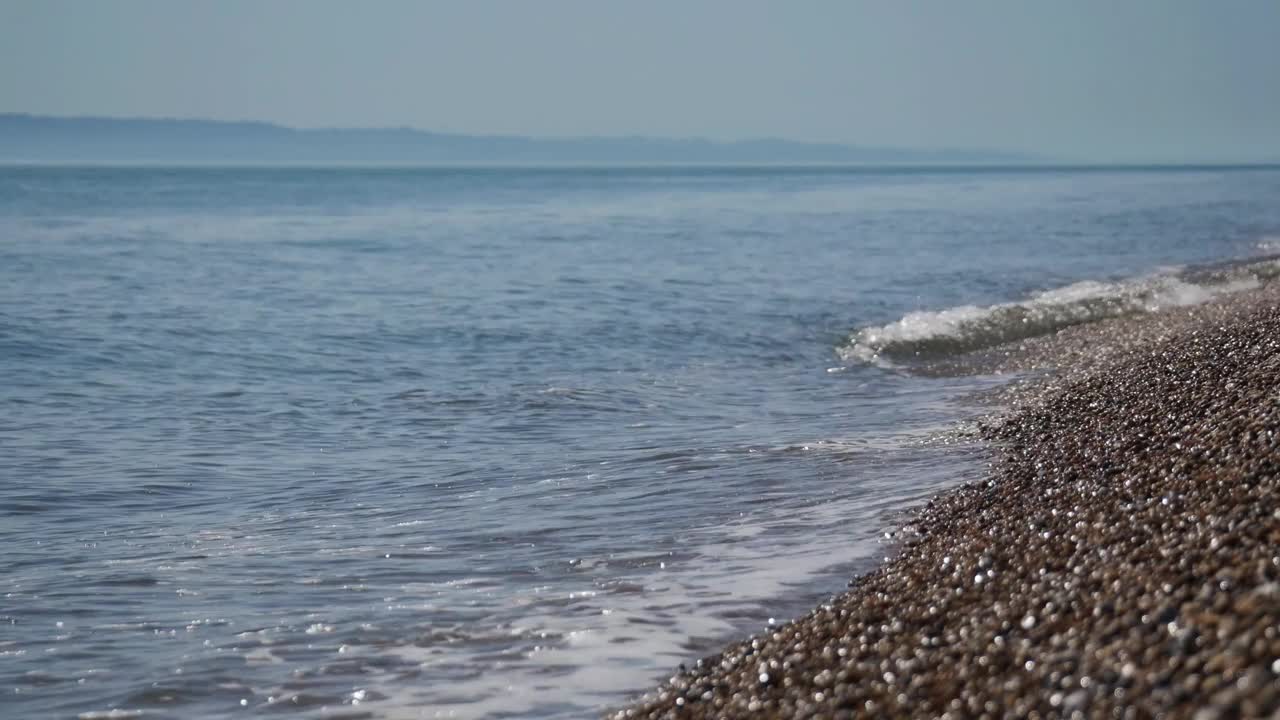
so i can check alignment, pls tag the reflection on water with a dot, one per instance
(488, 442)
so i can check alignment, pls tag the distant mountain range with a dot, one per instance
(28, 138)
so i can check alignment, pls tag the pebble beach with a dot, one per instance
(518, 442)
(1121, 559)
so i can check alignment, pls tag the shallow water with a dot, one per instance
(504, 442)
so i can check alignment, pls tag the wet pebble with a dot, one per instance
(1123, 560)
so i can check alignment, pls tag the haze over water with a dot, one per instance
(503, 442)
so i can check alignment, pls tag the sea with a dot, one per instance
(511, 442)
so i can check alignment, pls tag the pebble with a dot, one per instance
(1122, 559)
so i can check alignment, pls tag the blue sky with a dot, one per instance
(1087, 80)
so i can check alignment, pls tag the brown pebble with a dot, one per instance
(1123, 560)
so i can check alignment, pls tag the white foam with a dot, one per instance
(1269, 243)
(970, 327)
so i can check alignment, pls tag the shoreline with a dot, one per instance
(1122, 558)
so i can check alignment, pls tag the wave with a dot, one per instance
(927, 335)
(1269, 244)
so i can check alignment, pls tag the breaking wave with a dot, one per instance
(1269, 244)
(928, 335)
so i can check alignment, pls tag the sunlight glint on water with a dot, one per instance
(503, 441)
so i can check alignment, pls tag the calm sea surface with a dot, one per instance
(463, 443)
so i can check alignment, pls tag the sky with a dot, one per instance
(1087, 80)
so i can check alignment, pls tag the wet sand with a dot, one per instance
(1122, 559)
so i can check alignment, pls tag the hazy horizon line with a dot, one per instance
(1029, 167)
(1000, 157)
(631, 136)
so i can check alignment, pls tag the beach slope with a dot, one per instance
(1121, 560)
